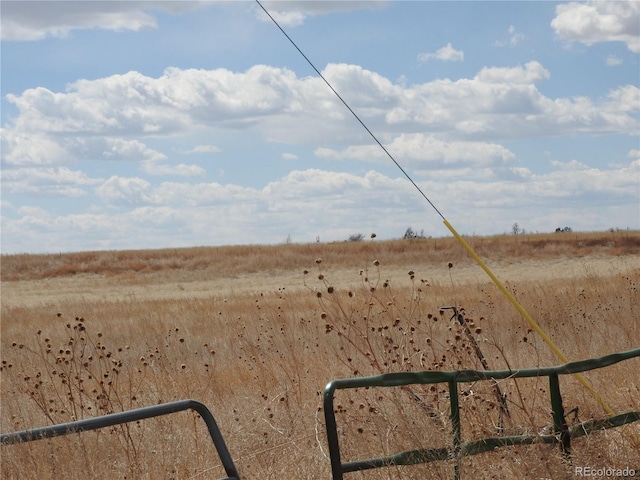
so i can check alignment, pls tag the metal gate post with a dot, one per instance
(455, 424)
(559, 422)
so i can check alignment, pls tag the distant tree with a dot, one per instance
(515, 229)
(356, 237)
(409, 233)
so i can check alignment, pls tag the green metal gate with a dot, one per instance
(562, 434)
(132, 416)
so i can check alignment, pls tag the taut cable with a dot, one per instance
(534, 325)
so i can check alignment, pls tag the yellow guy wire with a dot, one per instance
(528, 317)
(537, 328)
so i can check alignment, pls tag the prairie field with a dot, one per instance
(256, 332)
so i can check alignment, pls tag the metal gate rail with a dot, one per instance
(562, 434)
(131, 416)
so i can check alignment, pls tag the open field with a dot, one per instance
(245, 331)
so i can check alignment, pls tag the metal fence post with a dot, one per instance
(455, 424)
(332, 432)
(559, 422)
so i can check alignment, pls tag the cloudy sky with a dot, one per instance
(143, 124)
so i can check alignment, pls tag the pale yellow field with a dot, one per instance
(243, 330)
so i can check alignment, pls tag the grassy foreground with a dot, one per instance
(259, 351)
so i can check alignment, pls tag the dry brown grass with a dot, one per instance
(260, 356)
(200, 262)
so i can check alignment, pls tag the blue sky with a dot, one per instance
(133, 125)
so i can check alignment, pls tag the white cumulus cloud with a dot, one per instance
(514, 39)
(46, 182)
(21, 21)
(130, 191)
(425, 151)
(293, 13)
(332, 205)
(532, 72)
(446, 54)
(599, 21)
(612, 61)
(203, 149)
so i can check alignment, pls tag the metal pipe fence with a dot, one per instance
(562, 434)
(112, 419)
